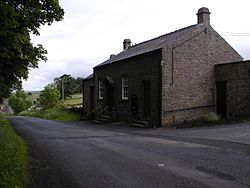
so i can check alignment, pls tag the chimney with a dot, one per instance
(203, 16)
(126, 44)
(112, 55)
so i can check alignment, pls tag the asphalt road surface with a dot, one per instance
(83, 154)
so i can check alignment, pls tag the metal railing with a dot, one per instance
(103, 110)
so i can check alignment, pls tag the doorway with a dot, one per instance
(110, 96)
(221, 99)
(91, 106)
(146, 98)
(109, 92)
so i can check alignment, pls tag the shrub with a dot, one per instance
(19, 102)
(33, 113)
(52, 114)
(59, 114)
(49, 97)
(212, 117)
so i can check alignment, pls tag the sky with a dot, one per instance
(92, 30)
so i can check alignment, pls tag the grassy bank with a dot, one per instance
(13, 157)
(52, 114)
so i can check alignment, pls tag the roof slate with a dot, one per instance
(148, 46)
(89, 77)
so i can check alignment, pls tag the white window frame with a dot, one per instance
(100, 90)
(124, 88)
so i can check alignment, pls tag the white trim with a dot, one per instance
(124, 88)
(100, 89)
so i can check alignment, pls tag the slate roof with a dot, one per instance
(148, 46)
(89, 77)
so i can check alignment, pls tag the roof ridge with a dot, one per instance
(147, 45)
(178, 30)
(89, 76)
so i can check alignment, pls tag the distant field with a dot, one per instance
(76, 100)
(77, 96)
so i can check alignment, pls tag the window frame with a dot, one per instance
(125, 87)
(100, 90)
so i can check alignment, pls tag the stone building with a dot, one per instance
(233, 89)
(88, 94)
(163, 81)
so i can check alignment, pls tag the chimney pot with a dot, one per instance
(203, 16)
(126, 44)
(112, 55)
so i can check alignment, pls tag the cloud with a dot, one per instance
(48, 71)
(94, 29)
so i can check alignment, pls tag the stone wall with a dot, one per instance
(188, 74)
(137, 69)
(88, 83)
(237, 78)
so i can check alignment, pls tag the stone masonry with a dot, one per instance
(188, 74)
(236, 75)
(137, 69)
(88, 83)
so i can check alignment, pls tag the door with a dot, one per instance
(221, 99)
(109, 92)
(147, 98)
(91, 98)
(110, 96)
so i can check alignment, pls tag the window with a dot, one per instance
(100, 89)
(124, 88)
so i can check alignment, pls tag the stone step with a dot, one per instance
(97, 121)
(106, 117)
(86, 117)
(102, 119)
(142, 122)
(137, 125)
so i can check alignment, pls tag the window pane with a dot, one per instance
(124, 88)
(100, 89)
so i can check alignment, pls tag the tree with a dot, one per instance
(50, 96)
(66, 84)
(19, 102)
(78, 85)
(19, 19)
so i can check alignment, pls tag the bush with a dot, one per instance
(52, 114)
(49, 97)
(33, 113)
(212, 117)
(13, 157)
(59, 114)
(19, 102)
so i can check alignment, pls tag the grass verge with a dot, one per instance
(13, 157)
(52, 114)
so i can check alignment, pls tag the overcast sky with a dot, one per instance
(92, 30)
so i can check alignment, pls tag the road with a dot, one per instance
(83, 154)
